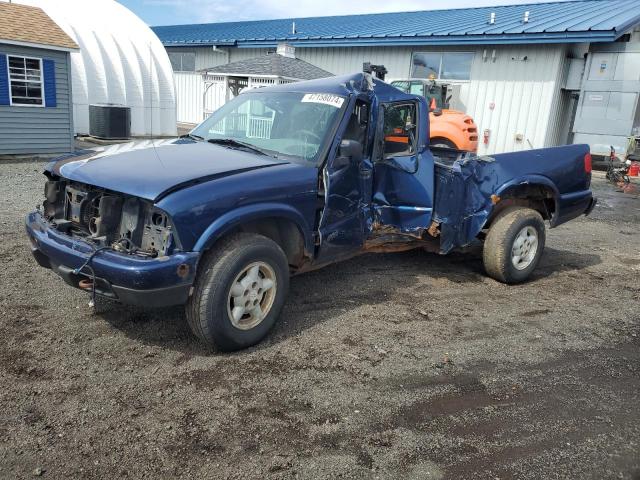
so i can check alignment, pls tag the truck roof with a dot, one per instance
(345, 85)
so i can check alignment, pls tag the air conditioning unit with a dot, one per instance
(110, 122)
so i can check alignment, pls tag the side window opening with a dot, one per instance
(399, 129)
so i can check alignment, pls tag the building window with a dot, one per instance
(25, 77)
(183, 61)
(442, 65)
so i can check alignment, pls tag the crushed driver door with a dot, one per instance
(403, 175)
(345, 220)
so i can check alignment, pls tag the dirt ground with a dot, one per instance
(396, 366)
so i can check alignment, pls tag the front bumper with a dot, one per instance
(148, 282)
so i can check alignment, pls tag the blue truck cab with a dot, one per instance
(286, 179)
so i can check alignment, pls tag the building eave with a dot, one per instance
(221, 74)
(462, 40)
(511, 39)
(42, 46)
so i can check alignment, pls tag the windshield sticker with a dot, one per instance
(324, 98)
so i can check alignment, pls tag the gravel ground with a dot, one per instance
(393, 366)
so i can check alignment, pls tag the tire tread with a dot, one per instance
(212, 266)
(496, 251)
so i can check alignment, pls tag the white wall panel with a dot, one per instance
(237, 54)
(189, 91)
(525, 93)
(513, 96)
(190, 95)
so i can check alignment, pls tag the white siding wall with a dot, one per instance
(525, 93)
(522, 93)
(197, 99)
(206, 57)
(189, 92)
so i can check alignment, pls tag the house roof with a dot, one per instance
(554, 22)
(273, 65)
(25, 25)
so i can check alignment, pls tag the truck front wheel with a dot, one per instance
(239, 292)
(514, 245)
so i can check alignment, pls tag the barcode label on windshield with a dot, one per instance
(324, 98)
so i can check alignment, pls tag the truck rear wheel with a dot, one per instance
(514, 245)
(239, 292)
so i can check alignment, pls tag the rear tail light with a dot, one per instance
(587, 163)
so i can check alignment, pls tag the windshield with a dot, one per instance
(293, 126)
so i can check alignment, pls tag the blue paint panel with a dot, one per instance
(403, 197)
(574, 21)
(463, 190)
(49, 76)
(204, 212)
(132, 170)
(4, 81)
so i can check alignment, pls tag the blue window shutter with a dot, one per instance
(49, 76)
(4, 81)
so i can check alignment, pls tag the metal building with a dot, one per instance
(519, 67)
(35, 83)
(609, 112)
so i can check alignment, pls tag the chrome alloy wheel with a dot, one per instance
(251, 295)
(525, 247)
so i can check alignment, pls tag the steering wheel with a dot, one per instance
(305, 134)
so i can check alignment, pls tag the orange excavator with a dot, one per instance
(448, 128)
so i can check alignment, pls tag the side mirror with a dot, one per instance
(437, 112)
(350, 148)
(350, 151)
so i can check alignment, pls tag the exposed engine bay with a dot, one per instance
(125, 223)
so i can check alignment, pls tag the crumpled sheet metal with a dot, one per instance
(463, 201)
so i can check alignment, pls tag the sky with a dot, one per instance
(171, 12)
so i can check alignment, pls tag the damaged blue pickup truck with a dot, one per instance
(283, 180)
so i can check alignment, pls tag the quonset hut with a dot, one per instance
(120, 61)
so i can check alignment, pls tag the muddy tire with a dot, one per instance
(514, 245)
(240, 289)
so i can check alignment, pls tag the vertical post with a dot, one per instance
(71, 105)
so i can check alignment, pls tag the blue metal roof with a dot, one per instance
(556, 22)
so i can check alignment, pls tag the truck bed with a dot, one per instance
(465, 182)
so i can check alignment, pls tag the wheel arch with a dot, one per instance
(281, 223)
(534, 191)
